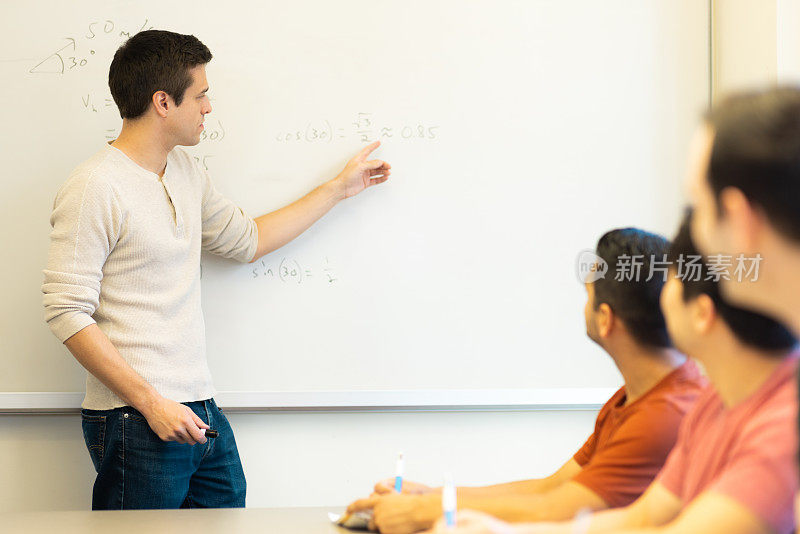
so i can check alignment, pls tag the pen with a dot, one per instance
(449, 501)
(210, 432)
(398, 478)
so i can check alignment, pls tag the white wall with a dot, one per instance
(788, 40)
(756, 42)
(744, 44)
(309, 459)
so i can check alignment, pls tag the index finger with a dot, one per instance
(368, 149)
(362, 504)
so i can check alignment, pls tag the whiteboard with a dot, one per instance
(518, 132)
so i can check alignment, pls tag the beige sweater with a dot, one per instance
(125, 254)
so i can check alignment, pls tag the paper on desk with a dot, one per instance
(356, 521)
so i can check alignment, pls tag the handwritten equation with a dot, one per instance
(100, 38)
(95, 105)
(291, 271)
(81, 50)
(364, 128)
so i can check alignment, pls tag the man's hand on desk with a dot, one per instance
(396, 513)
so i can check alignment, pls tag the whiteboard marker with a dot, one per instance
(449, 501)
(398, 475)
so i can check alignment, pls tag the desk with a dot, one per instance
(194, 521)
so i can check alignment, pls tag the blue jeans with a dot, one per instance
(136, 469)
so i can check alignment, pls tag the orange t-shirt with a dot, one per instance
(631, 443)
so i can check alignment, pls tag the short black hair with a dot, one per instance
(749, 327)
(756, 149)
(150, 61)
(635, 301)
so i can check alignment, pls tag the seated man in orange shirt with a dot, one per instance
(634, 431)
(733, 469)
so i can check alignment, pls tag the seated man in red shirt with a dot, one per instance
(745, 186)
(733, 470)
(634, 431)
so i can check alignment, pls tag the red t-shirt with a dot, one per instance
(630, 443)
(746, 452)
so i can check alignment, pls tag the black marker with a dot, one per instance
(210, 433)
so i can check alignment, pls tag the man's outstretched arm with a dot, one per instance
(519, 487)
(658, 511)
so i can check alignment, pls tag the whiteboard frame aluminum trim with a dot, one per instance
(23, 403)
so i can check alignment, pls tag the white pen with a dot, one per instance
(449, 501)
(398, 475)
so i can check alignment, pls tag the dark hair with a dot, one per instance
(749, 327)
(756, 149)
(636, 301)
(150, 61)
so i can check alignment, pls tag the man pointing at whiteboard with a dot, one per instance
(122, 283)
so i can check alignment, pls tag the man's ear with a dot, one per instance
(605, 320)
(744, 219)
(703, 312)
(161, 103)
